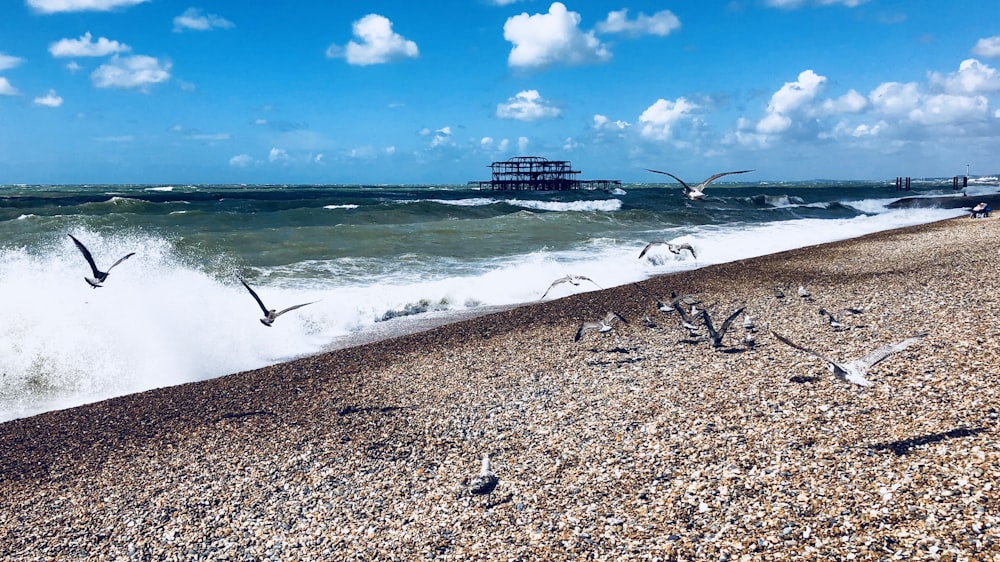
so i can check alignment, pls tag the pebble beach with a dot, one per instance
(640, 443)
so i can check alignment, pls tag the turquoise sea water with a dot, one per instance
(176, 312)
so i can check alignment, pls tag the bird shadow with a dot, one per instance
(904, 446)
(802, 379)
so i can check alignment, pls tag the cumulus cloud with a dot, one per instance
(84, 46)
(50, 99)
(851, 102)
(789, 100)
(442, 136)
(658, 120)
(377, 43)
(8, 61)
(527, 106)
(522, 145)
(6, 89)
(973, 77)
(602, 123)
(277, 155)
(987, 47)
(947, 109)
(661, 23)
(138, 72)
(241, 161)
(791, 4)
(542, 40)
(194, 19)
(56, 6)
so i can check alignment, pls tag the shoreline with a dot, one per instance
(636, 443)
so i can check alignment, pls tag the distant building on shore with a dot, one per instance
(539, 174)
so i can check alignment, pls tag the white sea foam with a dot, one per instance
(340, 206)
(577, 206)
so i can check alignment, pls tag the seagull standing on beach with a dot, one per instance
(804, 293)
(697, 192)
(603, 325)
(854, 371)
(270, 314)
(674, 248)
(99, 276)
(571, 279)
(667, 306)
(485, 482)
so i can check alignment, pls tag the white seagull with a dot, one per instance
(270, 314)
(698, 191)
(854, 371)
(602, 325)
(99, 276)
(571, 279)
(804, 293)
(674, 248)
(485, 482)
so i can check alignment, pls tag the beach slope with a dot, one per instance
(643, 442)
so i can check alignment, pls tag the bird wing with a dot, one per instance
(789, 342)
(127, 256)
(255, 297)
(676, 248)
(277, 314)
(687, 187)
(612, 315)
(584, 328)
(887, 350)
(582, 278)
(650, 245)
(719, 175)
(729, 321)
(86, 256)
(554, 283)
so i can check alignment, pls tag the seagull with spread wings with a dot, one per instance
(270, 314)
(854, 371)
(99, 276)
(698, 191)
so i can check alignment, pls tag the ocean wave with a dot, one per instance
(346, 206)
(604, 205)
(164, 188)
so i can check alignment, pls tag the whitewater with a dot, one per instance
(369, 256)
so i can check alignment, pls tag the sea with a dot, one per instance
(371, 259)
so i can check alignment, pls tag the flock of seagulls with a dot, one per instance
(100, 277)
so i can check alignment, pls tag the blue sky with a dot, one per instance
(157, 91)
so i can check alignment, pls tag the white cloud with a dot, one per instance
(797, 3)
(895, 99)
(661, 23)
(50, 99)
(851, 102)
(378, 43)
(973, 77)
(542, 40)
(138, 71)
(73, 67)
(987, 47)
(522, 145)
(946, 109)
(6, 89)
(56, 6)
(602, 123)
(241, 161)
(442, 136)
(8, 62)
(277, 155)
(527, 106)
(790, 100)
(193, 19)
(85, 47)
(658, 120)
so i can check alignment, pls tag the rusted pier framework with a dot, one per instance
(538, 174)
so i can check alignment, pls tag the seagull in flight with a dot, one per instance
(854, 371)
(99, 276)
(674, 248)
(571, 279)
(698, 191)
(485, 482)
(270, 314)
(602, 325)
(721, 333)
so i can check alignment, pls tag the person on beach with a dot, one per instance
(981, 210)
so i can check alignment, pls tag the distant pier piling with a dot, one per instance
(902, 184)
(954, 182)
